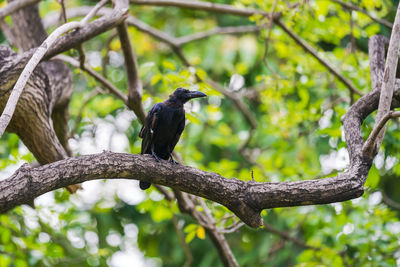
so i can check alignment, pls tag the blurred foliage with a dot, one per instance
(297, 104)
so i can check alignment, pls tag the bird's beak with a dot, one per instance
(196, 94)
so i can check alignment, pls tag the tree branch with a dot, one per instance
(390, 202)
(371, 141)
(287, 237)
(359, 9)
(14, 6)
(132, 72)
(34, 61)
(186, 205)
(95, 75)
(218, 30)
(103, 24)
(245, 199)
(249, 12)
(159, 35)
(388, 84)
(207, 6)
(376, 53)
(308, 48)
(237, 101)
(181, 238)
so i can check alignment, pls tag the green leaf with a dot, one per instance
(168, 65)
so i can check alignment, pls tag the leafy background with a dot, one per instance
(297, 104)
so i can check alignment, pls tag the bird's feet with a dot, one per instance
(171, 159)
(157, 158)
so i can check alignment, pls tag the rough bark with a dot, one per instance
(388, 83)
(33, 111)
(245, 199)
(42, 110)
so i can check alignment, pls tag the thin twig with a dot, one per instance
(270, 25)
(169, 196)
(78, 118)
(82, 56)
(308, 48)
(186, 205)
(95, 75)
(132, 72)
(359, 9)
(63, 14)
(287, 237)
(353, 44)
(159, 35)
(208, 6)
(93, 12)
(207, 211)
(231, 10)
(181, 238)
(233, 228)
(370, 144)
(106, 58)
(219, 30)
(390, 202)
(237, 101)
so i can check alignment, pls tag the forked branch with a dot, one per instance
(35, 60)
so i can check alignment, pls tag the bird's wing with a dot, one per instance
(179, 131)
(148, 128)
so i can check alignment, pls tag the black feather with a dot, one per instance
(164, 125)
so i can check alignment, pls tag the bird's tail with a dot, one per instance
(144, 185)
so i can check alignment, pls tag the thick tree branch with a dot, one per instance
(376, 53)
(14, 6)
(388, 84)
(34, 61)
(103, 24)
(245, 199)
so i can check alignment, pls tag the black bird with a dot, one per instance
(164, 125)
